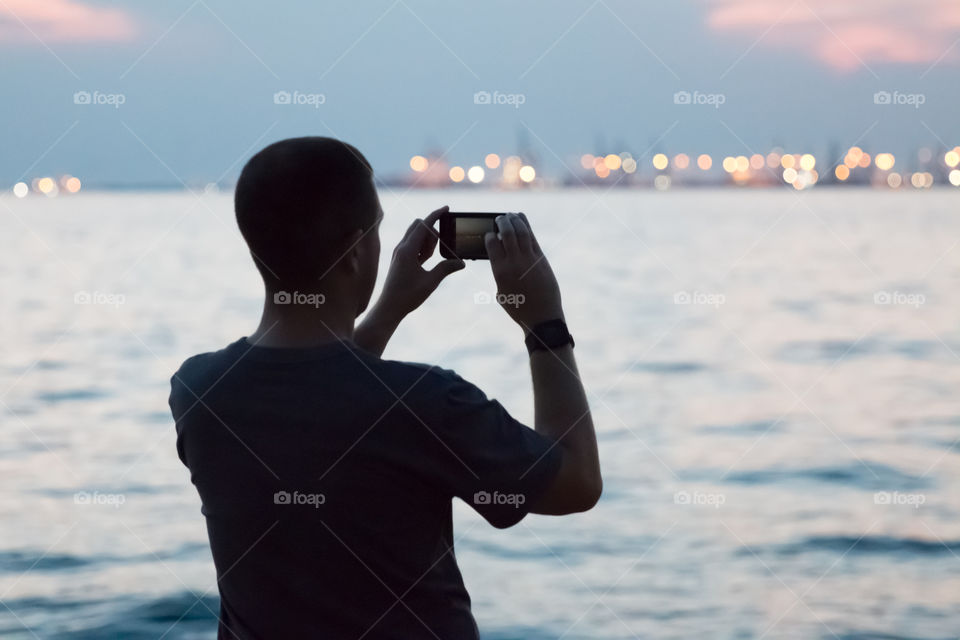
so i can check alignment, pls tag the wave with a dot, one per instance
(69, 395)
(830, 351)
(868, 475)
(679, 367)
(182, 615)
(753, 427)
(815, 351)
(853, 545)
(37, 560)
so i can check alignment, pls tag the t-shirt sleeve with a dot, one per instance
(177, 409)
(494, 463)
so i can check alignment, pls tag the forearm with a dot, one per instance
(375, 330)
(561, 411)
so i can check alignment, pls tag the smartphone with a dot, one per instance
(461, 234)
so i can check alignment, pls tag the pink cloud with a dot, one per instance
(845, 34)
(67, 21)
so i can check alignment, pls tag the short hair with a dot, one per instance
(297, 200)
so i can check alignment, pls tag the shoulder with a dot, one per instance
(426, 381)
(196, 370)
(430, 374)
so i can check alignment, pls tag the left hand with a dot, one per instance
(408, 284)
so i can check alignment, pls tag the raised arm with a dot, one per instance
(407, 285)
(529, 293)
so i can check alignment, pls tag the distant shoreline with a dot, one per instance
(462, 188)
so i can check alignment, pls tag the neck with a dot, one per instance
(302, 323)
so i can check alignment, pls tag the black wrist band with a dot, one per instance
(551, 334)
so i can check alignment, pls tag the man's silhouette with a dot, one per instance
(326, 473)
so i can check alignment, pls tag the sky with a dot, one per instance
(134, 93)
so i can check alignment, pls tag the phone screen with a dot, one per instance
(461, 234)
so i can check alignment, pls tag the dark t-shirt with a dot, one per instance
(326, 476)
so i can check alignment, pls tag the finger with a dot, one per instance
(523, 233)
(533, 238)
(435, 215)
(427, 247)
(419, 229)
(508, 235)
(445, 267)
(427, 235)
(494, 246)
(410, 230)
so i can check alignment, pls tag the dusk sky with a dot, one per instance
(187, 87)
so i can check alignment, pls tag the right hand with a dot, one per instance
(408, 284)
(526, 287)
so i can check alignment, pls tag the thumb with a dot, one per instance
(445, 267)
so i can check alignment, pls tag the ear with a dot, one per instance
(352, 258)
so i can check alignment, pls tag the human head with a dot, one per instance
(309, 212)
